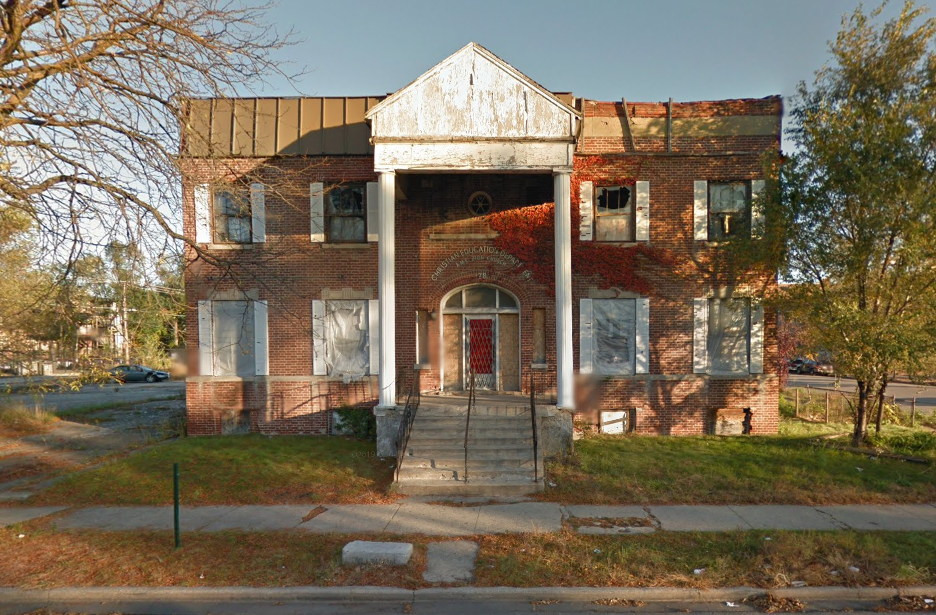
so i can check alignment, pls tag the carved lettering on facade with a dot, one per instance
(479, 255)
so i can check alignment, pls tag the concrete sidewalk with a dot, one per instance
(418, 517)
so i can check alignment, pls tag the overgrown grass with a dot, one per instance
(904, 441)
(732, 470)
(18, 419)
(247, 469)
(726, 559)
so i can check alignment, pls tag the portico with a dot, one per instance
(473, 113)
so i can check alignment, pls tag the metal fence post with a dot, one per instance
(912, 411)
(796, 411)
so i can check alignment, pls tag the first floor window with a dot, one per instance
(345, 336)
(614, 213)
(346, 214)
(232, 214)
(729, 209)
(614, 329)
(729, 333)
(233, 338)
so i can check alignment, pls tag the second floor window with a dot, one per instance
(346, 214)
(232, 215)
(614, 213)
(729, 210)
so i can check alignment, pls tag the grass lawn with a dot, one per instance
(247, 469)
(46, 558)
(786, 469)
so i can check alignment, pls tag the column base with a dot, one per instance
(388, 427)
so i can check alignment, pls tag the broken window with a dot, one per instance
(614, 214)
(729, 330)
(615, 323)
(232, 215)
(729, 210)
(346, 214)
(233, 338)
(346, 340)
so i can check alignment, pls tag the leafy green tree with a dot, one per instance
(852, 219)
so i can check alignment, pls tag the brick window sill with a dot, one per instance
(345, 246)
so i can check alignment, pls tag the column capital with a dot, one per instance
(385, 170)
(562, 172)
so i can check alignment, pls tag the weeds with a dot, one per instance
(18, 419)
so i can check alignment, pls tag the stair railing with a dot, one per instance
(533, 419)
(406, 421)
(471, 402)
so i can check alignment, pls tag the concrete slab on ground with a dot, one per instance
(120, 518)
(12, 516)
(587, 511)
(352, 518)
(531, 517)
(367, 552)
(784, 517)
(450, 562)
(698, 518)
(870, 517)
(434, 520)
(259, 518)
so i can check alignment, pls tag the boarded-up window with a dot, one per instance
(729, 210)
(346, 214)
(422, 337)
(614, 214)
(232, 215)
(614, 330)
(346, 352)
(539, 336)
(728, 335)
(508, 351)
(233, 338)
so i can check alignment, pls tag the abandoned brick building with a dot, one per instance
(351, 246)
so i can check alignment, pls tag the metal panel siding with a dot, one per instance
(372, 211)
(266, 126)
(642, 231)
(318, 338)
(287, 128)
(317, 212)
(586, 209)
(371, 102)
(244, 116)
(311, 137)
(333, 125)
(700, 210)
(358, 133)
(757, 338)
(642, 337)
(258, 212)
(373, 334)
(700, 335)
(205, 353)
(261, 337)
(198, 136)
(222, 122)
(586, 345)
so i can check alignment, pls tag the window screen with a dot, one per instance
(346, 214)
(233, 338)
(232, 215)
(346, 344)
(729, 205)
(614, 329)
(729, 331)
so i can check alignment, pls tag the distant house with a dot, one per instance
(383, 233)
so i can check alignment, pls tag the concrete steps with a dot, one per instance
(500, 452)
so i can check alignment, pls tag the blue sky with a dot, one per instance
(641, 50)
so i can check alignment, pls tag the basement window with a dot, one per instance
(614, 214)
(729, 212)
(346, 214)
(232, 214)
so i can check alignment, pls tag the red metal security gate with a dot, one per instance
(479, 339)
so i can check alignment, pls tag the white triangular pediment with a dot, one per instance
(472, 94)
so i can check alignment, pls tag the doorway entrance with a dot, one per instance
(481, 334)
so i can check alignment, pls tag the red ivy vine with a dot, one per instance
(528, 233)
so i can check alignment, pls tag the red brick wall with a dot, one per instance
(289, 272)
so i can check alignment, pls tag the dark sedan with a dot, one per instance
(137, 373)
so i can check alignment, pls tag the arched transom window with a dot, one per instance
(479, 299)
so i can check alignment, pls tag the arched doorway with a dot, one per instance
(481, 331)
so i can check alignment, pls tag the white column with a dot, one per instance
(565, 397)
(386, 288)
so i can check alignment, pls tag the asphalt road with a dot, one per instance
(95, 395)
(925, 395)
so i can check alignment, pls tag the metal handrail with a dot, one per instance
(471, 401)
(406, 421)
(533, 418)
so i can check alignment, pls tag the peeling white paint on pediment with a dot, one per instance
(472, 94)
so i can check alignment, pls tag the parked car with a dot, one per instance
(824, 368)
(810, 366)
(137, 373)
(794, 365)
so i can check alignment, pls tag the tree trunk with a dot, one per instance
(861, 414)
(880, 409)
